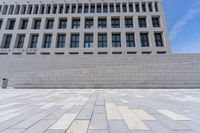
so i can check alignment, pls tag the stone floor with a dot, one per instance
(99, 111)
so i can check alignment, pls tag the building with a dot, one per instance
(90, 44)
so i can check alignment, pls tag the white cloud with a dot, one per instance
(193, 12)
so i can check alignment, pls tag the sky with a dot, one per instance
(183, 24)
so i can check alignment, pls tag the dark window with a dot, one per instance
(20, 42)
(88, 23)
(75, 23)
(54, 9)
(49, 24)
(116, 40)
(102, 23)
(47, 41)
(150, 7)
(74, 41)
(7, 41)
(130, 40)
(92, 9)
(144, 39)
(98, 8)
(34, 41)
(130, 7)
(156, 22)
(61, 41)
(37, 24)
(124, 8)
(86, 9)
(158, 39)
(63, 24)
(128, 22)
(88, 41)
(111, 8)
(102, 40)
(142, 22)
(118, 8)
(1, 21)
(11, 25)
(67, 9)
(61, 9)
(80, 9)
(48, 9)
(73, 9)
(156, 7)
(105, 8)
(115, 23)
(24, 24)
(137, 7)
(143, 7)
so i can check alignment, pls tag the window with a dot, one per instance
(92, 9)
(115, 23)
(61, 41)
(48, 9)
(124, 8)
(130, 7)
(34, 41)
(102, 40)
(144, 39)
(105, 8)
(80, 9)
(20, 42)
(74, 41)
(155, 22)
(1, 21)
(88, 41)
(116, 40)
(61, 9)
(47, 41)
(156, 7)
(158, 39)
(24, 24)
(63, 24)
(86, 9)
(76, 23)
(112, 8)
(89, 23)
(142, 22)
(102, 23)
(128, 22)
(118, 8)
(37, 24)
(54, 9)
(66, 9)
(130, 40)
(98, 8)
(7, 41)
(49, 24)
(74, 9)
(11, 24)
(143, 7)
(150, 7)
(137, 7)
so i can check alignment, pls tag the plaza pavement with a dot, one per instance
(99, 111)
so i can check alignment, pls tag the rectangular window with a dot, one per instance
(74, 9)
(111, 8)
(61, 9)
(102, 23)
(86, 9)
(143, 7)
(24, 24)
(102, 40)
(105, 8)
(115, 23)
(156, 22)
(7, 41)
(128, 22)
(47, 41)
(88, 41)
(37, 23)
(11, 24)
(75, 23)
(34, 41)
(118, 8)
(74, 41)
(144, 39)
(66, 9)
(61, 41)
(92, 9)
(130, 7)
(49, 24)
(63, 24)
(98, 8)
(20, 42)
(142, 22)
(124, 8)
(89, 23)
(150, 7)
(156, 7)
(54, 9)
(80, 9)
(130, 40)
(137, 7)
(1, 22)
(158, 39)
(116, 40)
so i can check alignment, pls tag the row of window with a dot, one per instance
(75, 24)
(79, 8)
(88, 40)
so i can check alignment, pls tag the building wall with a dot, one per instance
(102, 71)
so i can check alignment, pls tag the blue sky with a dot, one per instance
(183, 23)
